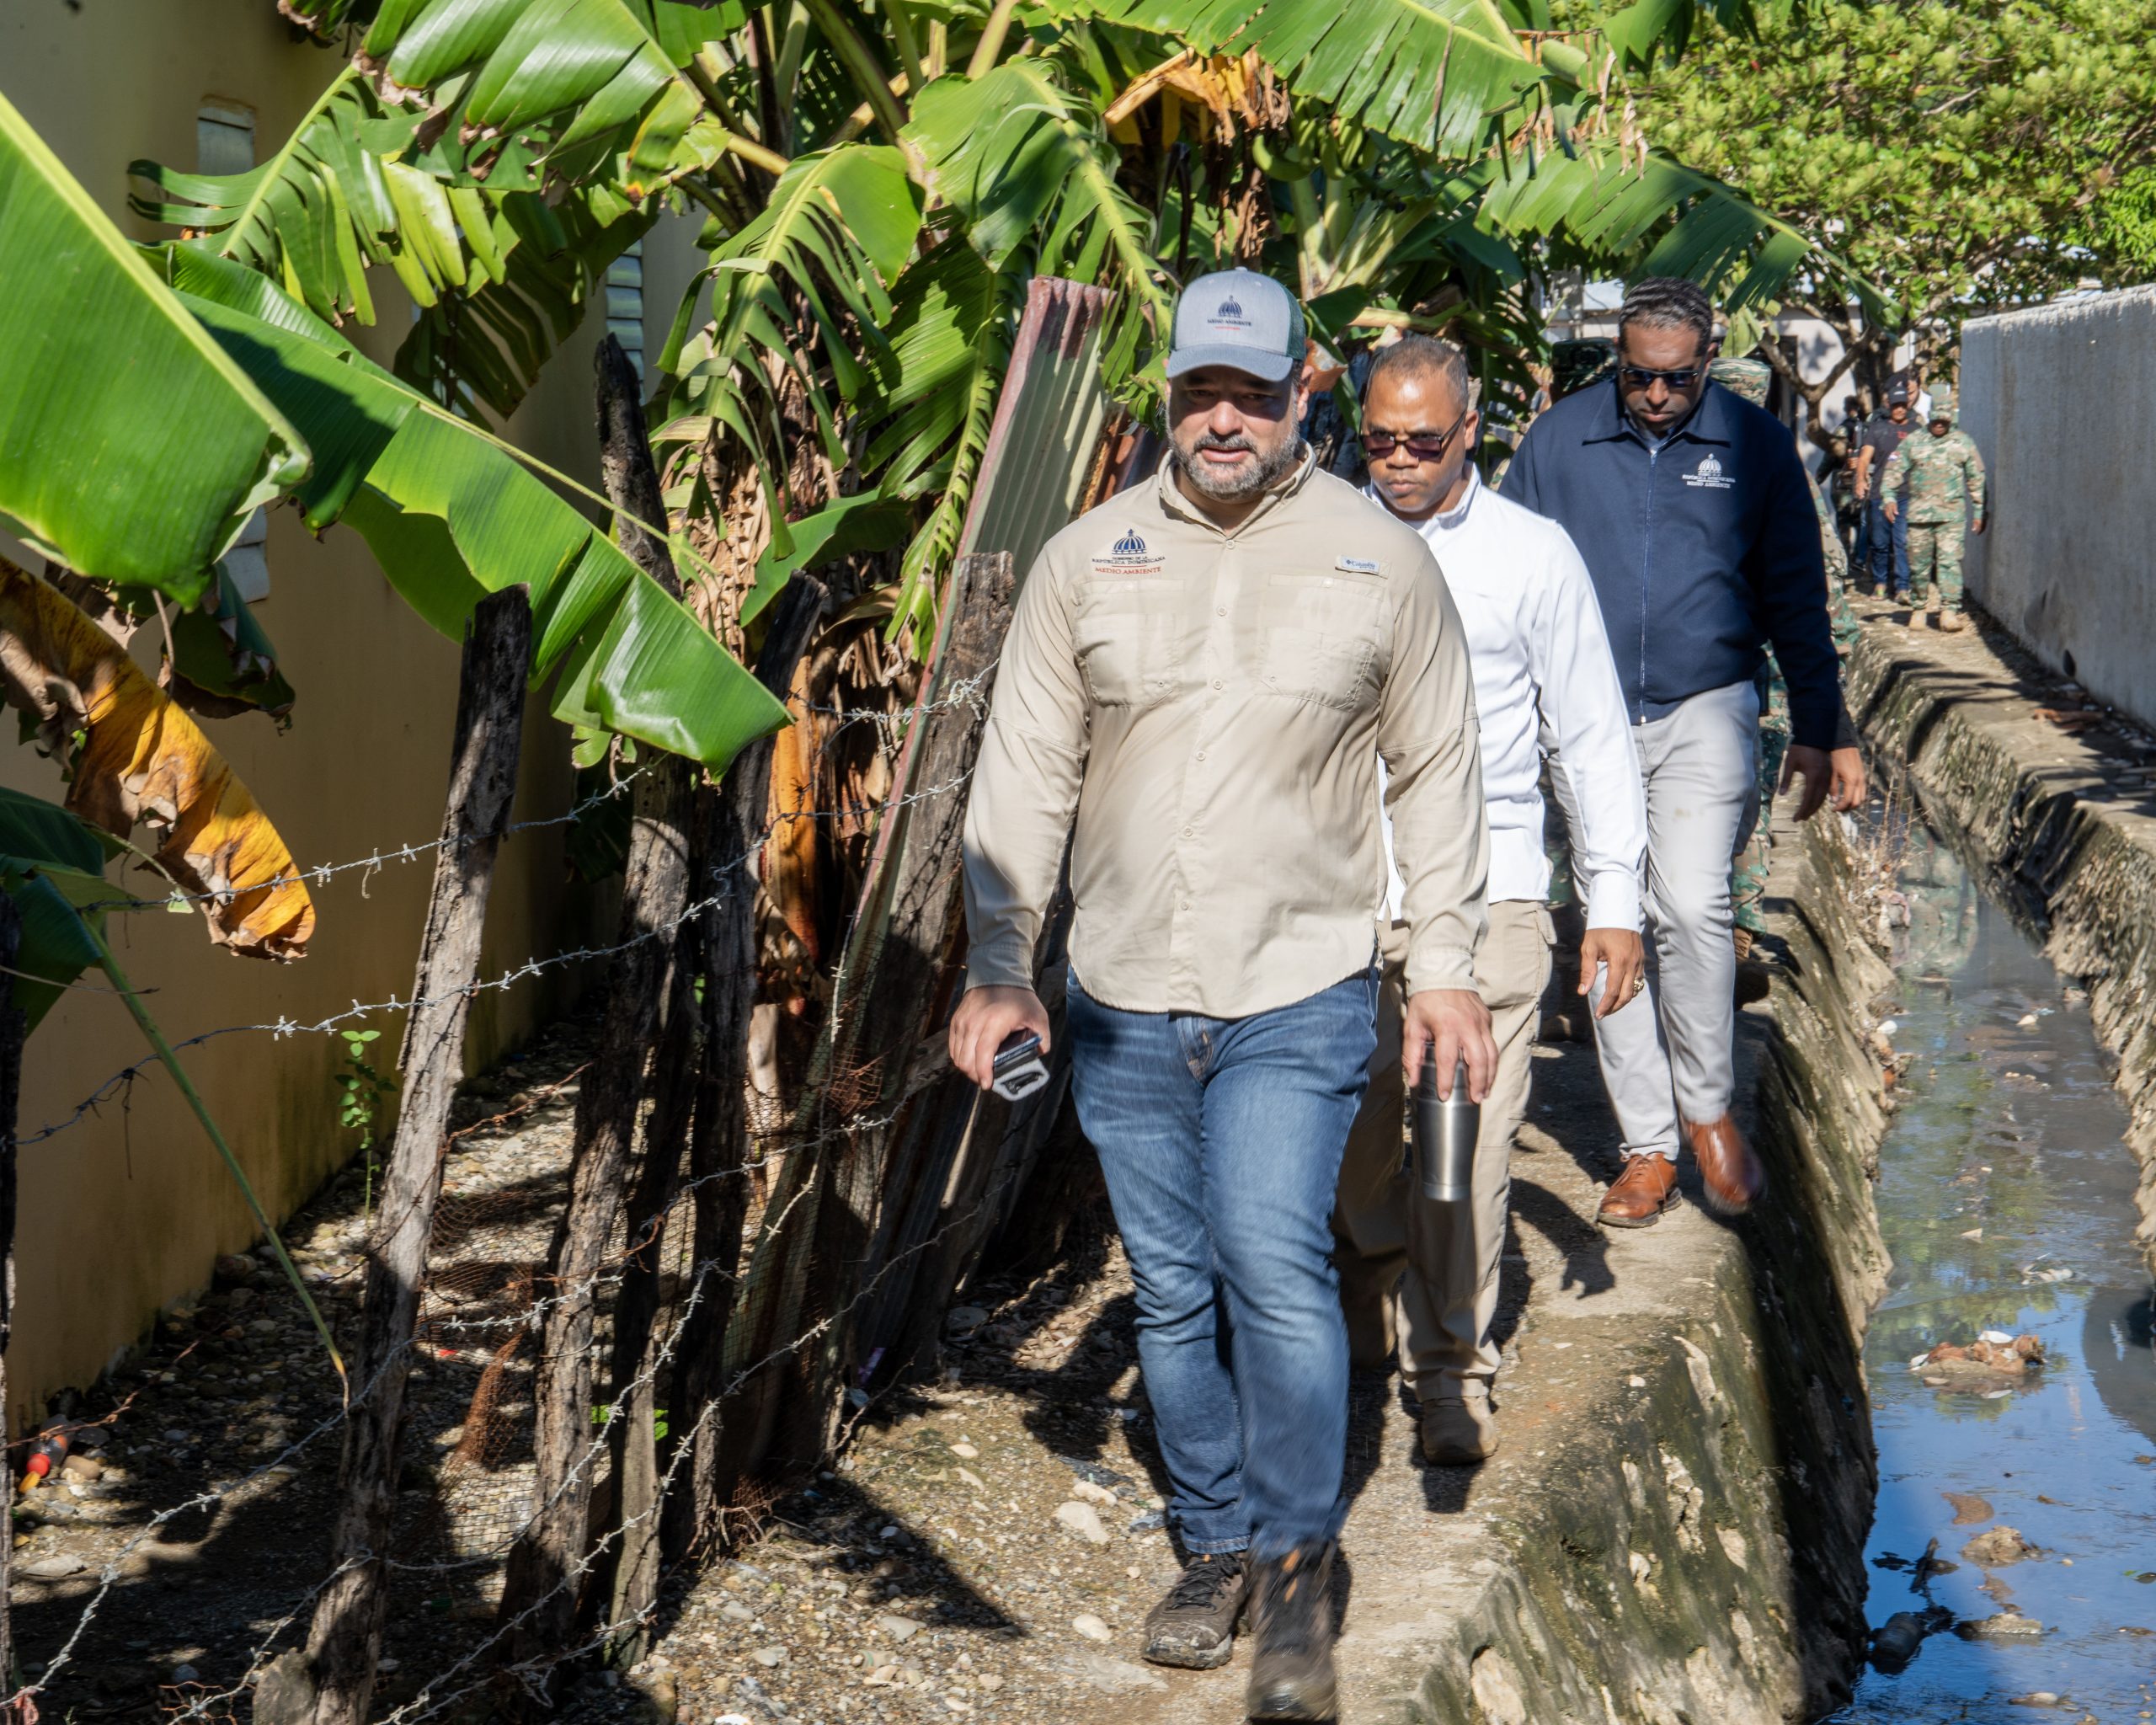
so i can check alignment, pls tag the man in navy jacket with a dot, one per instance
(1691, 509)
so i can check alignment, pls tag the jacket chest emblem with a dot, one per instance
(1129, 555)
(1709, 475)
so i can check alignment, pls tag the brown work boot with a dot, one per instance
(1730, 1171)
(1459, 1431)
(1291, 1617)
(1194, 1626)
(1951, 621)
(1916, 617)
(1639, 1195)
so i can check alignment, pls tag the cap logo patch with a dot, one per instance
(1230, 315)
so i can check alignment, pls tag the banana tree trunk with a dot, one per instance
(543, 1590)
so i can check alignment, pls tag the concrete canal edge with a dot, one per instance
(1694, 1551)
(1676, 1534)
(2065, 824)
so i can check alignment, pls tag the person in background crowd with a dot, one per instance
(1574, 364)
(1695, 515)
(1941, 478)
(1206, 672)
(1534, 639)
(1887, 541)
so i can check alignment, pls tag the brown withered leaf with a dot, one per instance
(141, 759)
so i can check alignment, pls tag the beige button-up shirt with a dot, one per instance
(1213, 707)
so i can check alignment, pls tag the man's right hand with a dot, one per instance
(986, 1018)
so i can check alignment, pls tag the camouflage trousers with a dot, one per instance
(1747, 871)
(1935, 549)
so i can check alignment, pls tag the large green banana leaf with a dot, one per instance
(1432, 72)
(52, 865)
(604, 73)
(1739, 252)
(1028, 162)
(131, 447)
(839, 224)
(451, 514)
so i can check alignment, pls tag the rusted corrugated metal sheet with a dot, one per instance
(1038, 470)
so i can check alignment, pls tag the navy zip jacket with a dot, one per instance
(1700, 552)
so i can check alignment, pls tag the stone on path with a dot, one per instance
(1084, 1520)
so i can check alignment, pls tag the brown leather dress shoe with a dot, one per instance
(1728, 1170)
(1639, 1196)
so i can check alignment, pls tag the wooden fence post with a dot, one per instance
(344, 1640)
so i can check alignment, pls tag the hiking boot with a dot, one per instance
(1291, 1616)
(1917, 618)
(1459, 1431)
(1194, 1626)
(1951, 621)
(1729, 1170)
(1638, 1196)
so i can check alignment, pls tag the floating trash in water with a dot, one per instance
(1996, 1337)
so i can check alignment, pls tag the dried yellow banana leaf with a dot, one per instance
(135, 757)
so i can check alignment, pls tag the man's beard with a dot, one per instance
(1245, 481)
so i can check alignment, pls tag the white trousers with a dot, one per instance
(1671, 1053)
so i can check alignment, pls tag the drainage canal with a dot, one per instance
(2014, 1551)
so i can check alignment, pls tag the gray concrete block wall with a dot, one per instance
(2061, 401)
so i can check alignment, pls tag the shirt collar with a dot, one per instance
(1445, 520)
(1289, 485)
(1707, 423)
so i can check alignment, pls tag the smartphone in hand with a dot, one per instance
(1020, 1071)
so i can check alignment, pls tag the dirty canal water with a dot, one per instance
(2006, 1198)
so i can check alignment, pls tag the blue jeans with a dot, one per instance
(1221, 1140)
(1880, 535)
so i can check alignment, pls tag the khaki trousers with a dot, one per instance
(1429, 1271)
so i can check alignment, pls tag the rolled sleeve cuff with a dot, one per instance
(1440, 967)
(1001, 963)
(1613, 901)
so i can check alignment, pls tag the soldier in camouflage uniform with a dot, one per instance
(1945, 480)
(1748, 876)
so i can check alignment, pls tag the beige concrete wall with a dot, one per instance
(126, 1210)
(2060, 400)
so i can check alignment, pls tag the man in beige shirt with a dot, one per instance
(1205, 671)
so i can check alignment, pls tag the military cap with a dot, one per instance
(1749, 378)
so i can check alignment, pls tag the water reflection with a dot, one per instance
(2007, 1198)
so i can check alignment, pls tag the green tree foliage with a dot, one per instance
(1964, 154)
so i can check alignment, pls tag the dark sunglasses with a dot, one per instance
(1639, 377)
(1380, 445)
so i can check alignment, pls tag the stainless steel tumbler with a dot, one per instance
(1443, 1134)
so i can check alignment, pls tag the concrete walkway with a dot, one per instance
(1673, 1530)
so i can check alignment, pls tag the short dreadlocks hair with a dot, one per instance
(1668, 303)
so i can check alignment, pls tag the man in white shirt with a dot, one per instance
(1539, 658)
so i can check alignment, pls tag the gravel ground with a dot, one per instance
(229, 1406)
(987, 1546)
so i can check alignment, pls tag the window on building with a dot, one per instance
(224, 138)
(625, 304)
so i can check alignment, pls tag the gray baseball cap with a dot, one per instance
(1240, 318)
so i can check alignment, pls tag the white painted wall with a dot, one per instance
(2060, 400)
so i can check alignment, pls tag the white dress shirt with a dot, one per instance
(1535, 642)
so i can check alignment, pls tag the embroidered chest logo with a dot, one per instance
(1128, 556)
(1708, 474)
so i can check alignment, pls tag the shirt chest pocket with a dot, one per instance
(1128, 637)
(1318, 635)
